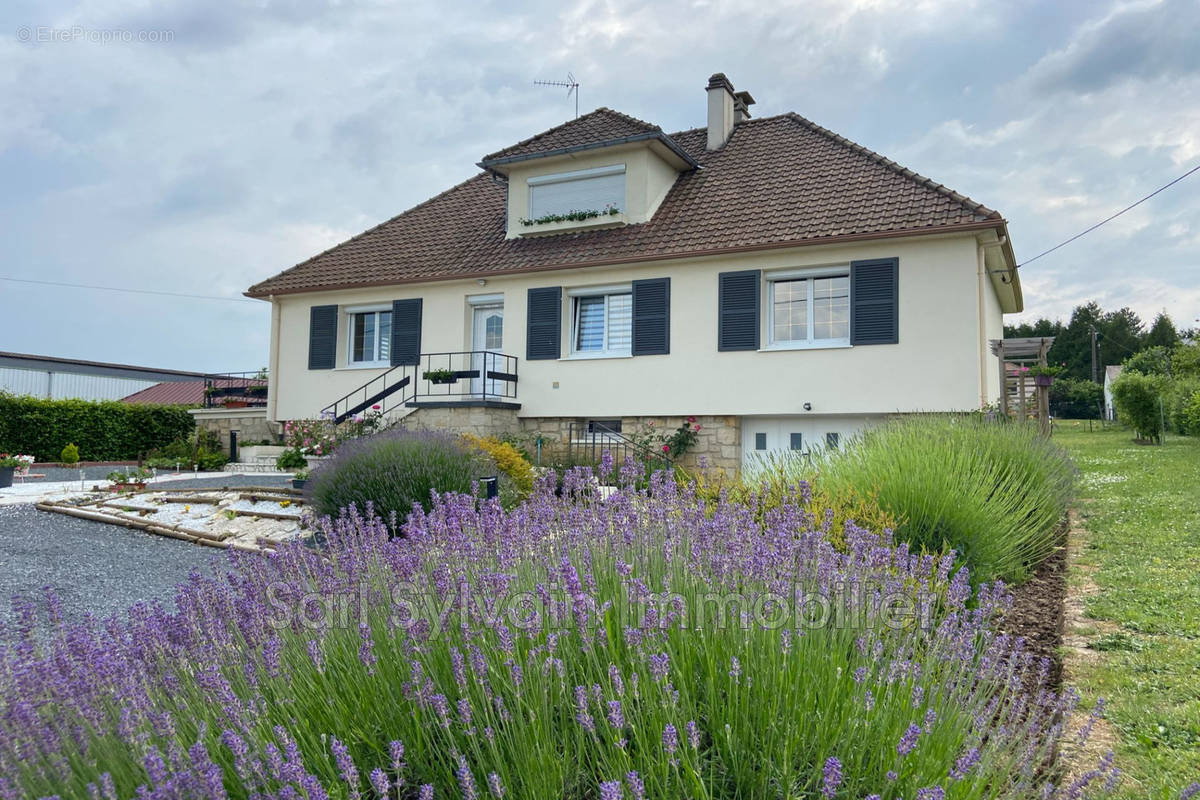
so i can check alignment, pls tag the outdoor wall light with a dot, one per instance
(808, 406)
(481, 282)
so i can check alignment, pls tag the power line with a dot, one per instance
(1114, 216)
(130, 291)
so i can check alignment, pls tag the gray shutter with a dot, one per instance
(737, 310)
(652, 317)
(406, 332)
(875, 301)
(543, 323)
(322, 337)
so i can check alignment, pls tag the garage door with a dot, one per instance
(808, 435)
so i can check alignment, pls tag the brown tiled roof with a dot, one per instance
(779, 181)
(180, 393)
(601, 125)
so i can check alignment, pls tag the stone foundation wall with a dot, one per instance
(718, 442)
(250, 423)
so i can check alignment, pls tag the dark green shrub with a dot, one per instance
(69, 455)
(102, 431)
(994, 492)
(202, 448)
(394, 470)
(1185, 406)
(290, 460)
(1138, 400)
(1076, 399)
(1151, 361)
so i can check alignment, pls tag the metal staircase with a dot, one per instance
(477, 377)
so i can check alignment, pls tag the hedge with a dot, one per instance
(103, 431)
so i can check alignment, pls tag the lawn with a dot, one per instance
(1141, 508)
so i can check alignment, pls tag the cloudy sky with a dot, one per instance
(198, 147)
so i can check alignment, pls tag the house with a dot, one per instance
(1111, 373)
(783, 285)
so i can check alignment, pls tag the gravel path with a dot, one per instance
(96, 567)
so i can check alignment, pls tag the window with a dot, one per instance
(813, 309)
(584, 190)
(602, 323)
(760, 441)
(370, 338)
(832, 440)
(796, 441)
(604, 426)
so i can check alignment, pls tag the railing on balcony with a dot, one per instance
(235, 390)
(587, 442)
(460, 376)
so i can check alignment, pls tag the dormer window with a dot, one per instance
(600, 189)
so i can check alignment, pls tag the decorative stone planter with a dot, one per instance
(1043, 380)
(6, 476)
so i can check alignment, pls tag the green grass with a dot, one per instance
(1141, 508)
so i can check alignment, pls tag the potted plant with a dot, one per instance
(1043, 374)
(231, 402)
(126, 481)
(440, 376)
(8, 466)
(300, 478)
(257, 390)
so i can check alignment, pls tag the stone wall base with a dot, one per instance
(718, 442)
(251, 424)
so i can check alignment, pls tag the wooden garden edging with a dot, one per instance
(157, 528)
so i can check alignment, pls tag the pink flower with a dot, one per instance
(666, 448)
(691, 419)
(374, 408)
(697, 428)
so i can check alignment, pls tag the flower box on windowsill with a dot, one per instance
(570, 225)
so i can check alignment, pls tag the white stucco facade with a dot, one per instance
(950, 305)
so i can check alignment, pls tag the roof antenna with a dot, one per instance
(570, 84)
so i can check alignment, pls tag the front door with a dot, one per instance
(487, 340)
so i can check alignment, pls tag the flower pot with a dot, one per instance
(298, 483)
(1043, 380)
(235, 403)
(6, 476)
(444, 381)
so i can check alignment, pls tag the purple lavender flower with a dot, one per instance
(693, 734)
(931, 793)
(964, 764)
(466, 781)
(735, 668)
(425, 792)
(832, 776)
(380, 782)
(670, 739)
(659, 664)
(636, 786)
(611, 790)
(396, 750)
(345, 765)
(581, 710)
(908, 742)
(615, 718)
(494, 785)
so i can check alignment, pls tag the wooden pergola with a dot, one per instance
(1019, 396)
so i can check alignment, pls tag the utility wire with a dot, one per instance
(130, 291)
(1114, 216)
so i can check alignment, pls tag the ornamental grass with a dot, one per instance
(639, 645)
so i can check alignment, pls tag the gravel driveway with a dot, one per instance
(95, 567)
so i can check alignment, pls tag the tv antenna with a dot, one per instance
(570, 84)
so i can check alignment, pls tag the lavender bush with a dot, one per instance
(571, 648)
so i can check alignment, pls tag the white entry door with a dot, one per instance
(487, 334)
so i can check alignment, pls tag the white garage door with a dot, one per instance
(808, 435)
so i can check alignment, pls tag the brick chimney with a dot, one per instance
(721, 110)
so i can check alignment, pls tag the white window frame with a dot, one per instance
(576, 175)
(351, 313)
(833, 271)
(573, 296)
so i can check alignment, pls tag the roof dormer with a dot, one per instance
(602, 170)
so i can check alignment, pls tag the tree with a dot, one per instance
(1073, 344)
(1032, 330)
(1151, 361)
(1162, 333)
(1185, 360)
(1120, 336)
